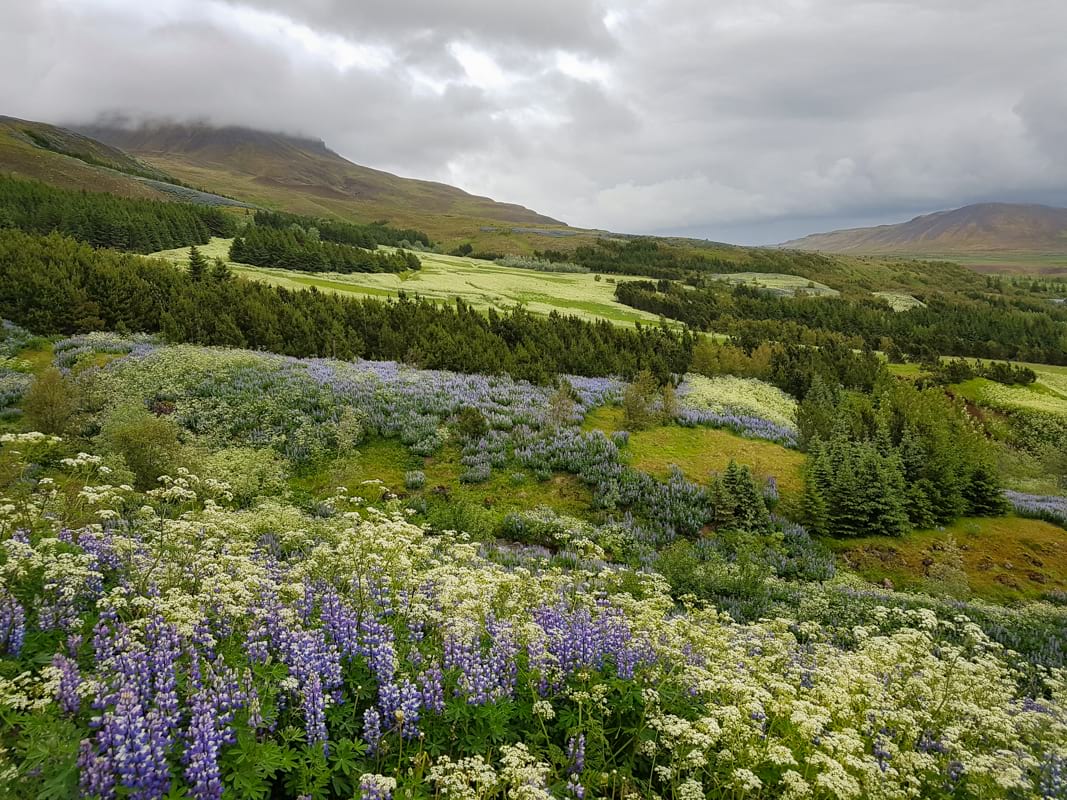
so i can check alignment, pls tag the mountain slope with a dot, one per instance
(986, 228)
(70, 160)
(306, 177)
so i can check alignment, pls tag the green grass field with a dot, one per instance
(483, 284)
(900, 301)
(700, 452)
(778, 282)
(386, 461)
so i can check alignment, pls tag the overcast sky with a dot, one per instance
(751, 121)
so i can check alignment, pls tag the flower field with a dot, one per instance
(1037, 398)
(728, 394)
(168, 645)
(242, 627)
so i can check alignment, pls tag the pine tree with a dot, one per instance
(983, 493)
(816, 412)
(220, 271)
(197, 264)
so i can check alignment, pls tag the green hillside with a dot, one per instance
(304, 176)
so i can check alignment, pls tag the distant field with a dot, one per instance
(1047, 394)
(900, 301)
(1013, 263)
(483, 284)
(778, 282)
(1039, 396)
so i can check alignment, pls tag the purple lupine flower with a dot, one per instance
(431, 688)
(575, 789)
(1053, 777)
(203, 742)
(371, 788)
(577, 639)
(1048, 507)
(315, 711)
(372, 729)
(881, 754)
(399, 704)
(69, 683)
(483, 677)
(131, 744)
(95, 775)
(164, 648)
(12, 625)
(377, 643)
(576, 754)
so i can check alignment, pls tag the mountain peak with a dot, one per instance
(302, 175)
(977, 228)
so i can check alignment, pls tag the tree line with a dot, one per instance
(53, 284)
(969, 324)
(298, 249)
(340, 232)
(105, 220)
(698, 263)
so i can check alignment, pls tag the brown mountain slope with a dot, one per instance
(986, 228)
(70, 160)
(306, 177)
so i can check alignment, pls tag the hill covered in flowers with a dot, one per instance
(238, 574)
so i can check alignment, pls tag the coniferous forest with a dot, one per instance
(103, 220)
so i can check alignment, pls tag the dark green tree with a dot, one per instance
(197, 264)
(220, 271)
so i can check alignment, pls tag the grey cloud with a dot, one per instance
(567, 24)
(719, 119)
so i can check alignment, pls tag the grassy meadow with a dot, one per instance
(701, 452)
(778, 282)
(483, 284)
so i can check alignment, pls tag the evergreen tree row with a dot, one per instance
(657, 259)
(351, 233)
(104, 220)
(976, 325)
(52, 284)
(298, 249)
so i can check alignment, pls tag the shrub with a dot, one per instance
(639, 401)
(51, 402)
(471, 423)
(148, 444)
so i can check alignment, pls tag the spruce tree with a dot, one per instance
(220, 271)
(197, 264)
(816, 412)
(813, 505)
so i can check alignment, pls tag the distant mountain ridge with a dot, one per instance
(982, 228)
(305, 176)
